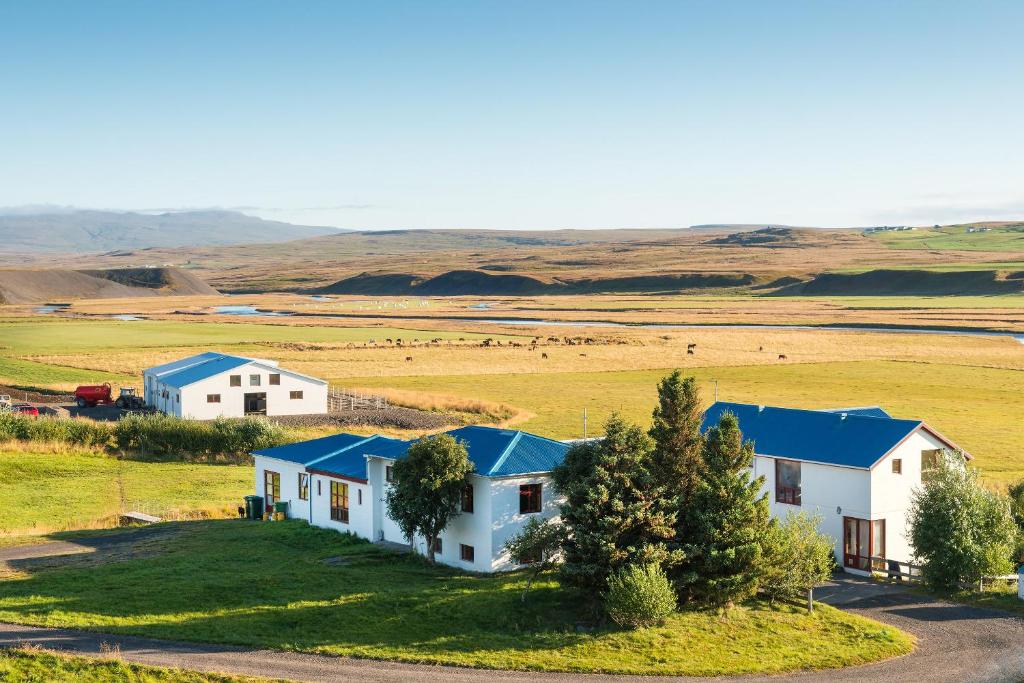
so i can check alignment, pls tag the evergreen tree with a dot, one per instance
(678, 443)
(614, 512)
(726, 519)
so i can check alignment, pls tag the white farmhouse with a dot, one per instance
(339, 482)
(855, 467)
(211, 385)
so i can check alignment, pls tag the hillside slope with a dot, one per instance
(100, 231)
(38, 286)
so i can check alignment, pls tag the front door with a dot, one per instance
(863, 543)
(256, 404)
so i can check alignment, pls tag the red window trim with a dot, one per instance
(787, 495)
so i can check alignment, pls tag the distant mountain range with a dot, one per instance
(63, 230)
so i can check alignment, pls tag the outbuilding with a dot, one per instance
(211, 385)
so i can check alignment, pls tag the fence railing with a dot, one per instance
(898, 570)
(343, 399)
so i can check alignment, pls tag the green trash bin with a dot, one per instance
(254, 507)
(282, 507)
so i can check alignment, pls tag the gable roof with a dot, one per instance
(181, 373)
(493, 452)
(847, 438)
(866, 411)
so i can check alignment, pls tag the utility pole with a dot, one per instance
(716, 389)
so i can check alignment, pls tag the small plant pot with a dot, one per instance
(266, 516)
(278, 516)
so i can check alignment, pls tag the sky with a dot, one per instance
(525, 115)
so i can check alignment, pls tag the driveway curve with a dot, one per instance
(955, 643)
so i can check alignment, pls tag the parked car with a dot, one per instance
(25, 409)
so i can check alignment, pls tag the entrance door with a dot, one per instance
(256, 404)
(863, 543)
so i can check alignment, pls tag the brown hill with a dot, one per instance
(35, 286)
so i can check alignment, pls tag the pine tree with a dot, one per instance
(678, 443)
(726, 520)
(614, 511)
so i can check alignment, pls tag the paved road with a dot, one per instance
(956, 643)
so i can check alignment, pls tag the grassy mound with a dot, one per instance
(266, 584)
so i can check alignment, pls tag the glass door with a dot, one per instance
(863, 543)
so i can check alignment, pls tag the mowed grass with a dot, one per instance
(35, 374)
(978, 408)
(68, 489)
(30, 665)
(954, 237)
(264, 584)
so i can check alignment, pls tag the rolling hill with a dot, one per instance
(88, 231)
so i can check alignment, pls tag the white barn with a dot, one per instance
(855, 467)
(339, 482)
(211, 385)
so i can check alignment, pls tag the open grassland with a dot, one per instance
(28, 665)
(979, 408)
(214, 587)
(55, 488)
(1005, 237)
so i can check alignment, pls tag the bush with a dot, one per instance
(959, 530)
(71, 431)
(639, 596)
(796, 557)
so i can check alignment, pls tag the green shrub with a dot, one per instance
(76, 432)
(796, 557)
(639, 596)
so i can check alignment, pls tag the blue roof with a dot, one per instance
(493, 452)
(843, 438)
(209, 367)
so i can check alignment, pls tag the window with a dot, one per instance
(467, 498)
(437, 546)
(271, 487)
(339, 502)
(275, 379)
(254, 380)
(177, 398)
(213, 398)
(236, 380)
(529, 498)
(864, 543)
(465, 552)
(359, 496)
(318, 491)
(897, 466)
(787, 482)
(389, 474)
(930, 462)
(303, 486)
(295, 394)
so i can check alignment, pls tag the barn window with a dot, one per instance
(359, 496)
(177, 398)
(236, 380)
(529, 498)
(897, 466)
(294, 394)
(271, 487)
(466, 552)
(254, 380)
(467, 498)
(213, 398)
(303, 486)
(930, 463)
(389, 474)
(339, 502)
(787, 482)
(275, 379)
(318, 491)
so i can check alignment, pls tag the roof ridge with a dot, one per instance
(341, 450)
(505, 453)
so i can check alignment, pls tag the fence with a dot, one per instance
(342, 399)
(894, 570)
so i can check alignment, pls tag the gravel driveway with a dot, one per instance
(956, 643)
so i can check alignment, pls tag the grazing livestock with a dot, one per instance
(782, 356)
(408, 359)
(689, 352)
(691, 346)
(543, 355)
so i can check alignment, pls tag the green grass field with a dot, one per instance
(978, 408)
(265, 585)
(67, 490)
(954, 237)
(31, 666)
(34, 336)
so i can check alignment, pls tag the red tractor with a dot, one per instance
(90, 395)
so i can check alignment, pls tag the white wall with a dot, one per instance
(289, 471)
(505, 518)
(194, 405)
(360, 514)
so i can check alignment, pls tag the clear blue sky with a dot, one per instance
(518, 114)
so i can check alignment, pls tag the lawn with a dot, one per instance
(28, 665)
(266, 585)
(979, 408)
(45, 491)
(955, 237)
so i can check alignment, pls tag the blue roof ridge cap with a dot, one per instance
(341, 450)
(504, 455)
